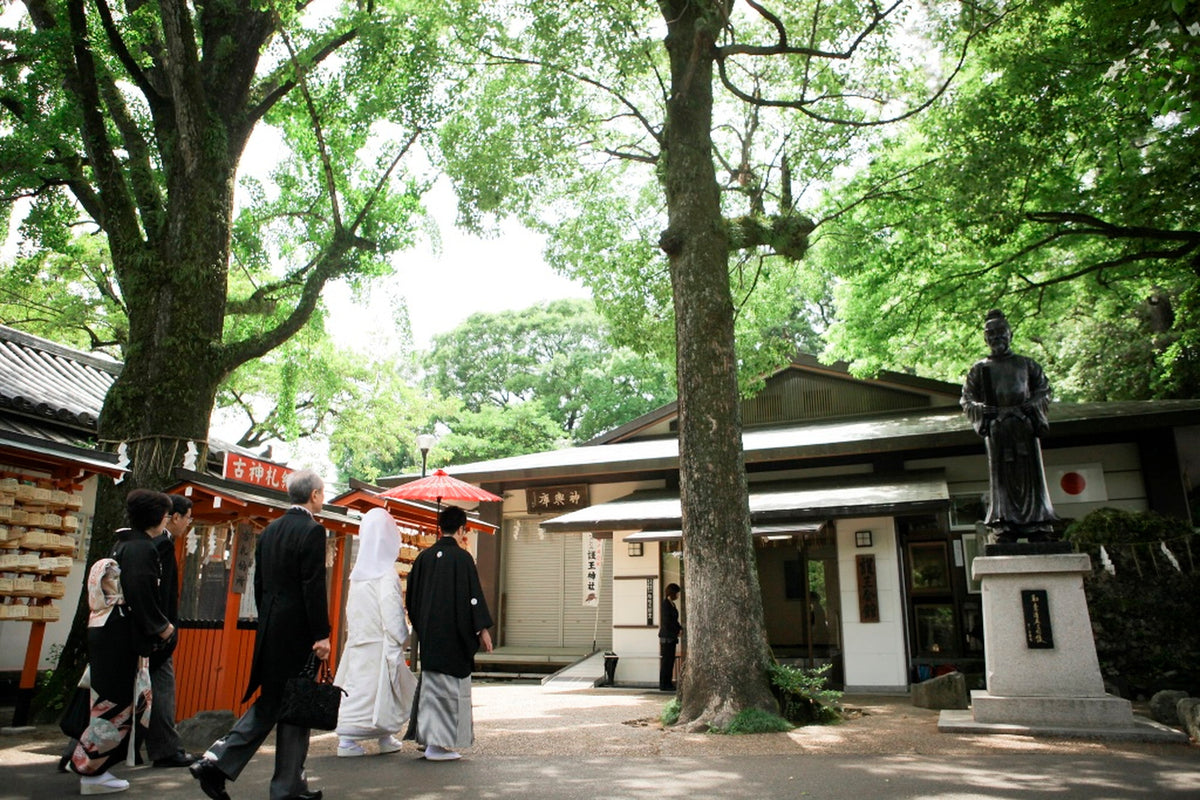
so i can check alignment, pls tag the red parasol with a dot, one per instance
(438, 487)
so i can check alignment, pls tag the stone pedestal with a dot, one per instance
(1043, 676)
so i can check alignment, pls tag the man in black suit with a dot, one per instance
(163, 744)
(668, 636)
(293, 621)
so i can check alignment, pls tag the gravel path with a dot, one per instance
(516, 719)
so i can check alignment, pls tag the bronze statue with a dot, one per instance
(1006, 397)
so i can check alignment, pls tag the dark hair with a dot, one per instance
(672, 588)
(146, 508)
(180, 504)
(451, 518)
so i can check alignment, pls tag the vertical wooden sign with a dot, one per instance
(868, 588)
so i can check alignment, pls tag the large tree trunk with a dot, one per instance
(164, 396)
(727, 646)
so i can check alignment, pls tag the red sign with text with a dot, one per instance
(259, 473)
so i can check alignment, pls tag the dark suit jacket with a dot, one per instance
(668, 626)
(164, 545)
(293, 605)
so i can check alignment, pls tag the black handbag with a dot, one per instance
(310, 700)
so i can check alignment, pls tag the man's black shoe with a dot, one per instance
(212, 780)
(180, 759)
(308, 796)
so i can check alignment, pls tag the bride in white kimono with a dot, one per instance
(379, 685)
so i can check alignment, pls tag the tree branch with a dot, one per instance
(182, 69)
(124, 56)
(315, 120)
(803, 105)
(114, 208)
(785, 234)
(621, 98)
(277, 86)
(781, 47)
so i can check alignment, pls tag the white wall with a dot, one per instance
(875, 657)
(1122, 475)
(635, 642)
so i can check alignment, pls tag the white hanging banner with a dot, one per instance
(593, 550)
(1076, 483)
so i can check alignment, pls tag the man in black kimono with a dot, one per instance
(450, 616)
(293, 621)
(1006, 397)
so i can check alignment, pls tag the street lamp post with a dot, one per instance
(425, 443)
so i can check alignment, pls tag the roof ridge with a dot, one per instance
(97, 360)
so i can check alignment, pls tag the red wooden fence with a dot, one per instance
(200, 664)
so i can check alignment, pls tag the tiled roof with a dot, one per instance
(47, 382)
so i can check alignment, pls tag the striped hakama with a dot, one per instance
(442, 711)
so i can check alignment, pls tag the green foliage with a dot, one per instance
(1057, 181)
(1143, 616)
(803, 694)
(66, 295)
(497, 433)
(670, 712)
(754, 720)
(552, 362)
(45, 679)
(577, 154)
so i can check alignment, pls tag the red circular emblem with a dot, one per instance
(1073, 483)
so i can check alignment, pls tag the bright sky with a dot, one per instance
(467, 274)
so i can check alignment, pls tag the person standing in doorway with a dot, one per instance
(450, 617)
(293, 621)
(164, 747)
(668, 637)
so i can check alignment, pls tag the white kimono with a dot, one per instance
(379, 685)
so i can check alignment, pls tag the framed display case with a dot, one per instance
(935, 629)
(929, 567)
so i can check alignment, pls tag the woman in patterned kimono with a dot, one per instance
(126, 622)
(379, 686)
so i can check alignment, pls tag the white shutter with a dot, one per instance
(533, 586)
(542, 590)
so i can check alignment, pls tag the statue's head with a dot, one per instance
(997, 332)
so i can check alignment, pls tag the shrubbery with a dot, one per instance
(802, 694)
(1145, 615)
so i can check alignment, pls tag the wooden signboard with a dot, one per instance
(868, 588)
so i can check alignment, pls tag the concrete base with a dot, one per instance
(1043, 677)
(1139, 730)
(1015, 668)
(1084, 712)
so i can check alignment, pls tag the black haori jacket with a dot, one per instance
(447, 609)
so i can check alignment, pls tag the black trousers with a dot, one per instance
(233, 752)
(666, 664)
